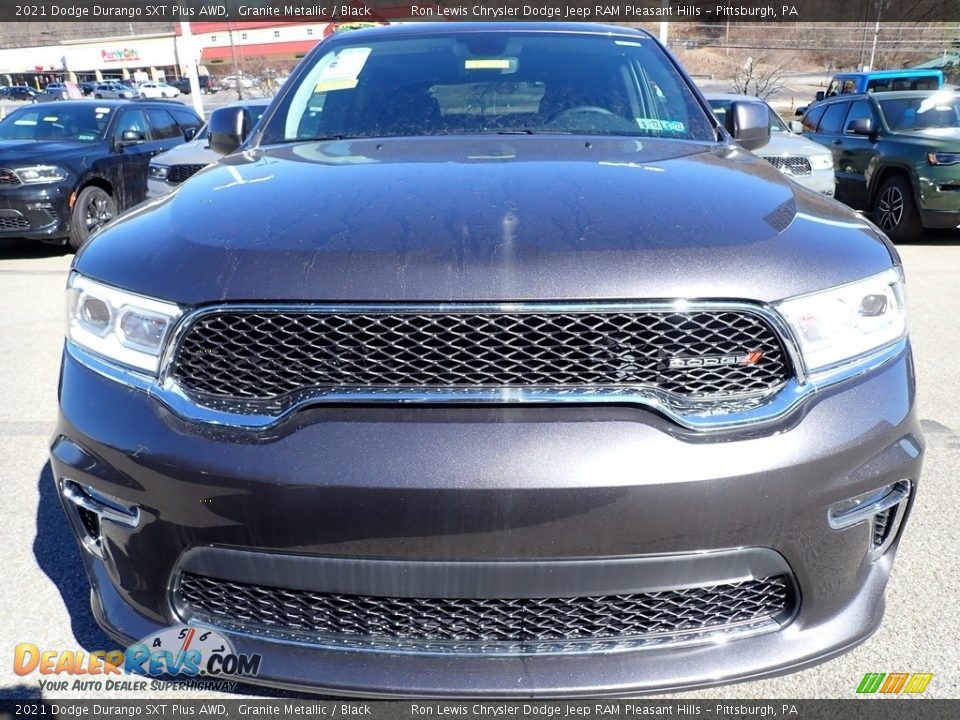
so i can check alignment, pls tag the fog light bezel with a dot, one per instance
(865, 507)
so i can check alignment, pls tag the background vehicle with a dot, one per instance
(69, 169)
(796, 157)
(88, 86)
(153, 90)
(59, 91)
(854, 83)
(171, 168)
(896, 154)
(114, 90)
(206, 82)
(20, 92)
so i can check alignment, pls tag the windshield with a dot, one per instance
(77, 124)
(922, 113)
(722, 107)
(489, 82)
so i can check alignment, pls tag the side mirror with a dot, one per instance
(820, 95)
(796, 127)
(228, 128)
(131, 137)
(860, 126)
(749, 123)
(189, 134)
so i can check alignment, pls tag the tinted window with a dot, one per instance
(859, 109)
(833, 88)
(186, 118)
(939, 110)
(131, 120)
(479, 82)
(812, 117)
(833, 117)
(163, 124)
(880, 85)
(80, 124)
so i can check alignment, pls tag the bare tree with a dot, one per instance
(757, 77)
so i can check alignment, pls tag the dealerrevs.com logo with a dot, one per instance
(179, 653)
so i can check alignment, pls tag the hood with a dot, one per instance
(782, 143)
(486, 218)
(950, 135)
(17, 152)
(193, 152)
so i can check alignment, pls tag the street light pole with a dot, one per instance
(190, 60)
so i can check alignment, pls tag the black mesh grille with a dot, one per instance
(793, 164)
(881, 525)
(8, 177)
(178, 173)
(14, 223)
(460, 620)
(250, 355)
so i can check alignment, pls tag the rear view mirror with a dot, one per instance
(749, 124)
(131, 137)
(228, 128)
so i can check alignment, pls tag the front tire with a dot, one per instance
(895, 211)
(93, 209)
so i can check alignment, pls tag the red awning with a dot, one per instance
(243, 52)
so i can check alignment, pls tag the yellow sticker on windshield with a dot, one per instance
(328, 85)
(488, 64)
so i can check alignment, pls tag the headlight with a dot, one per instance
(157, 172)
(943, 158)
(821, 162)
(843, 323)
(128, 329)
(39, 174)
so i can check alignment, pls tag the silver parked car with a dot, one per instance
(807, 162)
(114, 90)
(171, 168)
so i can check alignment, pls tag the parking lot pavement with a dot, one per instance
(46, 600)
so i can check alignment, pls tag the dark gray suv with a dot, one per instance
(490, 365)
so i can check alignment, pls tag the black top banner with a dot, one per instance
(701, 11)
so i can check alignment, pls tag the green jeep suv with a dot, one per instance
(896, 154)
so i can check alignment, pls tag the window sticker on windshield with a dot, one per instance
(102, 110)
(490, 64)
(50, 118)
(343, 71)
(661, 125)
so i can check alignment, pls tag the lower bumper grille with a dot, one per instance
(475, 624)
(13, 220)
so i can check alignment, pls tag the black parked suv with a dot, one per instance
(67, 170)
(489, 364)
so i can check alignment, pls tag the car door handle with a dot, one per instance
(838, 141)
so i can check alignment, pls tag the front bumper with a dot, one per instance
(35, 212)
(486, 488)
(821, 181)
(158, 188)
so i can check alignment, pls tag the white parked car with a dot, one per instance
(114, 90)
(154, 90)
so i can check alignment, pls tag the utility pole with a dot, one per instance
(238, 73)
(876, 33)
(190, 60)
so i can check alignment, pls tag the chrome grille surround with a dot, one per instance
(794, 165)
(491, 626)
(488, 367)
(9, 177)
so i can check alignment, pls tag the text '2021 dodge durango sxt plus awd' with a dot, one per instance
(491, 364)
